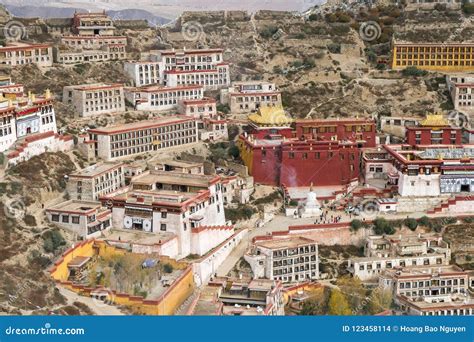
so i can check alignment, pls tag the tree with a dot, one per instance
(338, 304)
(317, 304)
(380, 300)
(411, 223)
(234, 152)
(354, 291)
(356, 224)
(382, 226)
(424, 221)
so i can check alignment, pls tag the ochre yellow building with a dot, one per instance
(433, 56)
(166, 304)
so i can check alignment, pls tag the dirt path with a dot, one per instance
(98, 307)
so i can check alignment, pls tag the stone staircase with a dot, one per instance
(450, 204)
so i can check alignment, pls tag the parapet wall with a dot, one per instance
(166, 304)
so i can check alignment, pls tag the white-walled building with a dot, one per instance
(28, 127)
(106, 53)
(24, 53)
(461, 88)
(87, 219)
(204, 107)
(95, 99)
(292, 259)
(130, 140)
(189, 206)
(389, 252)
(159, 98)
(95, 181)
(143, 73)
(430, 291)
(249, 96)
(176, 68)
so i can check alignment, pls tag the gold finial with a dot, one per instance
(47, 94)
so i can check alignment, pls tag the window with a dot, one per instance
(65, 219)
(55, 218)
(164, 214)
(163, 227)
(291, 155)
(75, 219)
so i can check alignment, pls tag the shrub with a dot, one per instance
(411, 223)
(168, 268)
(413, 71)
(468, 7)
(268, 32)
(356, 225)
(52, 241)
(382, 226)
(424, 221)
(30, 220)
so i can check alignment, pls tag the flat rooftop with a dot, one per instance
(76, 206)
(154, 196)
(95, 170)
(285, 243)
(141, 125)
(129, 236)
(425, 271)
(164, 177)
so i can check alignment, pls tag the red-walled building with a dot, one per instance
(318, 163)
(315, 152)
(361, 131)
(434, 130)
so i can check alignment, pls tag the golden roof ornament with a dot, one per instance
(434, 120)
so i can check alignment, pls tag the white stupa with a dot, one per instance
(311, 207)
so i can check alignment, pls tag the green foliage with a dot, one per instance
(293, 203)
(223, 108)
(270, 198)
(424, 221)
(468, 7)
(297, 64)
(234, 152)
(356, 224)
(382, 226)
(313, 17)
(242, 212)
(411, 223)
(168, 268)
(268, 32)
(2, 158)
(413, 71)
(52, 240)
